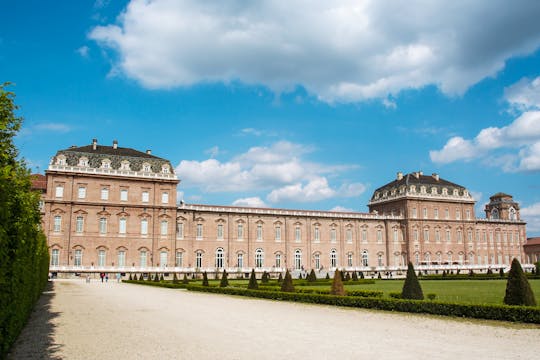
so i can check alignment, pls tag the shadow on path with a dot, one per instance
(36, 341)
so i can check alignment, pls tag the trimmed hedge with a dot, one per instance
(489, 312)
(164, 284)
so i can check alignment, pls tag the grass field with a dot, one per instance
(461, 291)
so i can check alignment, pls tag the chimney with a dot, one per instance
(115, 144)
(416, 174)
(399, 175)
(420, 173)
(435, 176)
(94, 144)
(149, 152)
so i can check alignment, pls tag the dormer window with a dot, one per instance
(413, 189)
(377, 195)
(105, 164)
(512, 214)
(434, 190)
(445, 191)
(423, 189)
(146, 167)
(124, 165)
(83, 162)
(456, 192)
(61, 160)
(165, 169)
(495, 214)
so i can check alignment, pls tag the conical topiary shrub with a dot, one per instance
(161, 277)
(175, 279)
(312, 277)
(354, 276)
(265, 277)
(379, 276)
(411, 287)
(518, 290)
(342, 275)
(287, 285)
(361, 274)
(280, 278)
(348, 277)
(327, 277)
(337, 285)
(130, 278)
(205, 279)
(224, 281)
(253, 281)
(185, 279)
(141, 277)
(149, 278)
(471, 273)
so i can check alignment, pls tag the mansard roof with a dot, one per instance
(420, 179)
(110, 150)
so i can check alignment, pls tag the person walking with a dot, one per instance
(102, 275)
(118, 276)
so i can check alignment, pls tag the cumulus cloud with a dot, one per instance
(531, 214)
(524, 95)
(279, 168)
(522, 134)
(83, 51)
(339, 208)
(328, 47)
(250, 202)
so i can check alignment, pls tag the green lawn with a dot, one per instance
(464, 291)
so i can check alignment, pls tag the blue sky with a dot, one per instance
(312, 105)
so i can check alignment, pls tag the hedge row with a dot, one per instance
(490, 312)
(24, 256)
(163, 284)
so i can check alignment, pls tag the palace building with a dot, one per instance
(108, 208)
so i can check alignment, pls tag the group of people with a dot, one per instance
(105, 277)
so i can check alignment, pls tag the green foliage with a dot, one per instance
(395, 295)
(141, 278)
(537, 268)
(156, 277)
(327, 277)
(24, 255)
(265, 277)
(354, 276)
(149, 278)
(312, 277)
(287, 285)
(130, 278)
(342, 275)
(489, 271)
(337, 285)
(471, 273)
(501, 272)
(379, 276)
(224, 281)
(411, 288)
(518, 290)
(348, 277)
(253, 281)
(175, 279)
(185, 279)
(431, 296)
(490, 312)
(280, 278)
(161, 278)
(205, 279)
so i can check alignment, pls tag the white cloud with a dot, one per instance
(524, 95)
(251, 131)
(523, 134)
(329, 47)
(40, 128)
(213, 151)
(339, 208)
(83, 51)
(531, 214)
(278, 168)
(250, 202)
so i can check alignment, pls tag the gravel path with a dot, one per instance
(75, 320)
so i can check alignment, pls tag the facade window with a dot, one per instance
(278, 233)
(448, 237)
(512, 214)
(424, 213)
(163, 259)
(416, 258)
(379, 260)
(59, 192)
(146, 167)
(297, 234)
(278, 260)
(145, 196)
(426, 235)
(396, 237)
(446, 214)
(144, 226)
(78, 258)
(102, 258)
(165, 198)
(142, 258)
(365, 258)
(102, 225)
(240, 231)
(259, 232)
(459, 238)
(317, 261)
(123, 195)
(349, 236)
(122, 226)
(458, 214)
(180, 230)
(82, 192)
(179, 258)
(57, 223)
(220, 231)
(164, 227)
(413, 215)
(333, 258)
(121, 258)
(427, 258)
(259, 258)
(240, 260)
(415, 235)
(104, 193)
(317, 234)
(297, 259)
(199, 231)
(55, 257)
(437, 237)
(79, 224)
(333, 235)
(379, 236)
(436, 213)
(349, 259)
(219, 258)
(468, 214)
(364, 235)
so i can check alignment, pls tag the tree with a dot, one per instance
(185, 279)
(348, 277)
(411, 287)
(253, 281)
(518, 290)
(265, 277)
(361, 274)
(205, 279)
(337, 285)
(130, 278)
(312, 277)
(354, 276)
(501, 272)
(224, 281)
(287, 285)
(280, 278)
(537, 266)
(161, 277)
(327, 277)
(175, 279)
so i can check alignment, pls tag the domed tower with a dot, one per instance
(502, 207)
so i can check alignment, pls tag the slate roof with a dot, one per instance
(411, 179)
(109, 150)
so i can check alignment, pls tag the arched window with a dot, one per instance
(333, 258)
(79, 224)
(121, 258)
(240, 260)
(317, 261)
(427, 258)
(365, 258)
(278, 260)
(512, 214)
(349, 259)
(78, 258)
(297, 259)
(142, 258)
(57, 223)
(495, 213)
(55, 257)
(259, 258)
(219, 258)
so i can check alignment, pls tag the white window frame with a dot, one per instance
(57, 223)
(123, 194)
(297, 259)
(102, 258)
(165, 198)
(199, 231)
(103, 225)
(144, 226)
(59, 191)
(164, 228)
(259, 258)
(219, 258)
(104, 193)
(220, 231)
(145, 196)
(77, 261)
(121, 258)
(297, 234)
(81, 192)
(122, 225)
(79, 224)
(143, 258)
(55, 257)
(163, 259)
(179, 259)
